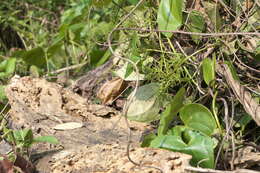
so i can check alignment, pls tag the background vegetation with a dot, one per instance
(176, 49)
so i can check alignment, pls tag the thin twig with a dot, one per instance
(68, 68)
(194, 33)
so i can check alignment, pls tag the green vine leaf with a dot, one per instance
(169, 15)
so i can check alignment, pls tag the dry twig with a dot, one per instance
(245, 98)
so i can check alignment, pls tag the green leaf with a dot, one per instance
(133, 2)
(3, 65)
(34, 56)
(232, 69)
(243, 121)
(208, 68)
(23, 137)
(212, 11)
(198, 117)
(169, 15)
(8, 67)
(145, 105)
(132, 77)
(190, 142)
(49, 139)
(148, 139)
(104, 58)
(101, 3)
(130, 68)
(196, 23)
(172, 109)
(75, 13)
(95, 56)
(3, 97)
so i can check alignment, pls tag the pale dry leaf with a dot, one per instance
(111, 89)
(68, 126)
(244, 97)
(247, 157)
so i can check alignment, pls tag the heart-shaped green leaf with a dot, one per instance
(169, 15)
(190, 142)
(198, 117)
(145, 106)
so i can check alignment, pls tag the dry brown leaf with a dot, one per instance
(247, 158)
(247, 5)
(6, 166)
(111, 89)
(244, 97)
(68, 126)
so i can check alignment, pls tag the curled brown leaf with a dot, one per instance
(111, 89)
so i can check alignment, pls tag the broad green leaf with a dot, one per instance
(190, 142)
(95, 55)
(196, 23)
(208, 68)
(23, 137)
(8, 67)
(34, 56)
(212, 10)
(169, 15)
(198, 117)
(49, 139)
(145, 105)
(171, 110)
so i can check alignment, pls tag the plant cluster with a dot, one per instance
(180, 48)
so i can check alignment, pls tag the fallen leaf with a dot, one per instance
(145, 106)
(68, 126)
(6, 166)
(111, 90)
(25, 165)
(247, 157)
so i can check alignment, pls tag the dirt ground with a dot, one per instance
(97, 145)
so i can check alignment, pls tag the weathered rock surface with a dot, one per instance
(98, 146)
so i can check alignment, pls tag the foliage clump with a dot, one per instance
(200, 57)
